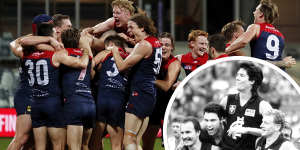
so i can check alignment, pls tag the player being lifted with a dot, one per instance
(266, 41)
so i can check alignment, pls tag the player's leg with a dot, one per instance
(29, 145)
(74, 137)
(40, 137)
(97, 135)
(23, 131)
(132, 127)
(149, 137)
(87, 132)
(116, 137)
(141, 132)
(57, 137)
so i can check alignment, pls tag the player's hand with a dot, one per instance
(86, 38)
(175, 85)
(127, 38)
(124, 36)
(112, 48)
(88, 30)
(236, 129)
(289, 61)
(57, 45)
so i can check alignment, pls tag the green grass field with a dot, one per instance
(5, 141)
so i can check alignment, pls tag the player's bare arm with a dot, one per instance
(264, 107)
(173, 71)
(99, 58)
(92, 70)
(179, 57)
(16, 48)
(36, 40)
(286, 62)
(85, 42)
(244, 39)
(62, 57)
(104, 26)
(142, 50)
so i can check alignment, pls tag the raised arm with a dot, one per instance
(173, 71)
(244, 39)
(16, 48)
(41, 42)
(82, 62)
(140, 51)
(104, 26)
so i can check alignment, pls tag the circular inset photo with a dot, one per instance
(234, 103)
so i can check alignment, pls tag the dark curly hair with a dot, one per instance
(145, 22)
(255, 74)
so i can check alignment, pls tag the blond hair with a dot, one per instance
(124, 4)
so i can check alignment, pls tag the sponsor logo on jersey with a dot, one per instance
(188, 67)
(232, 109)
(250, 112)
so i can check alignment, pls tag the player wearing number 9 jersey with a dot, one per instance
(112, 92)
(145, 60)
(267, 42)
(42, 67)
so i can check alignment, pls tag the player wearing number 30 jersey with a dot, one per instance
(267, 42)
(47, 110)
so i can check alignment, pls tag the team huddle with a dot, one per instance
(117, 77)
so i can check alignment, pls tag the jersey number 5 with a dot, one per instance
(157, 61)
(39, 64)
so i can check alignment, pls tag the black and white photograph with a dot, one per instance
(149, 74)
(228, 103)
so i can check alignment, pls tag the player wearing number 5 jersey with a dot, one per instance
(112, 93)
(267, 42)
(42, 67)
(145, 60)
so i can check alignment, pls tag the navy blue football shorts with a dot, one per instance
(80, 110)
(47, 112)
(110, 106)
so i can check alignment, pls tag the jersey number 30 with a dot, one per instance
(40, 64)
